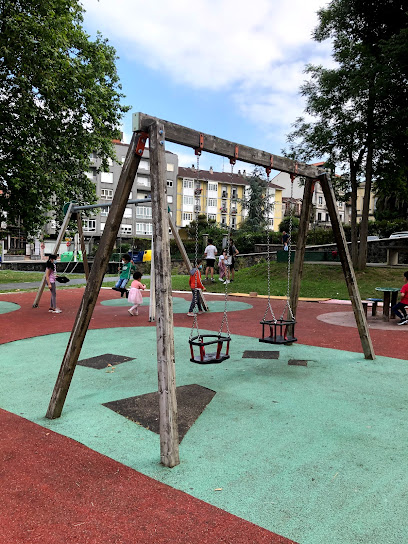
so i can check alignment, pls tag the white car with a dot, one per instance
(403, 234)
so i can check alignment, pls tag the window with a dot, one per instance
(212, 216)
(340, 205)
(169, 199)
(170, 167)
(107, 177)
(144, 228)
(104, 212)
(320, 200)
(234, 193)
(188, 200)
(127, 213)
(143, 180)
(233, 222)
(143, 212)
(143, 165)
(169, 183)
(188, 184)
(89, 225)
(341, 217)
(223, 221)
(187, 216)
(125, 229)
(270, 222)
(327, 217)
(212, 186)
(224, 192)
(319, 216)
(106, 194)
(212, 202)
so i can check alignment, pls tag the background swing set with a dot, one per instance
(158, 131)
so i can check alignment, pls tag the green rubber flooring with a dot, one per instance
(316, 453)
(181, 305)
(6, 307)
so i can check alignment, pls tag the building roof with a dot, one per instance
(220, 177)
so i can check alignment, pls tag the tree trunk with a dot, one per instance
(362, 254)
(354, 237)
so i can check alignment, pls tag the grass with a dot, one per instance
(319, 281)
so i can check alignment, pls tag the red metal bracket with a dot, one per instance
(269, 168)
(141, 143)
(198, 149)
(234, 160)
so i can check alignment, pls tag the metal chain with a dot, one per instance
(195, 309)
(268, 259)
(225, 314)
(287, 305)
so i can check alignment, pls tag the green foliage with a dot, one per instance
(257, 204)
(284, 225)
(59, 102)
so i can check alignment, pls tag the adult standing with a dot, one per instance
(209, 253)
(50, 277)
(232, 251)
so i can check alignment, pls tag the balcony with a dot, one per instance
(224, 194)
(197, 191)
(234, 211)
(197, 208)
(223, 210)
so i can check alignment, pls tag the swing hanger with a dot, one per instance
(233, 160)
(269, 168)
(200, 147)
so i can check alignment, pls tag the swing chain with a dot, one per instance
(196, 294)
(268, 259)
(287, 305)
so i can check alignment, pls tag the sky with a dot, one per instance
(228, 68)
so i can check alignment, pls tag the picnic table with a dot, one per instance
(390, 296)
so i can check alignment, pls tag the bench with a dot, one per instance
(373, 302)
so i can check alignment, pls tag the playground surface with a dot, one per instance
(308, 446)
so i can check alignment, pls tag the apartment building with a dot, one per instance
(219, 196)
(137, 220)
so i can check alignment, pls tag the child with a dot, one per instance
(135, 296)
(222, 267)
(195, 285)
(399, 308)
(127, 268)
(50, 275)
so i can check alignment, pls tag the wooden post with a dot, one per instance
(152, 305)
(169, 440)
(82, 242)
(185, 258)
(301, 244)
(61, 234)
(96, 275)
(347, 267)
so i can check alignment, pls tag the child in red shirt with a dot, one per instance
(195, 285)
(399, 308)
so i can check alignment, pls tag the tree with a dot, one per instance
(359, 108)
(60, 101)
(257, 204)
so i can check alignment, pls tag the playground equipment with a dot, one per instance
(281, 330)
(158, 131)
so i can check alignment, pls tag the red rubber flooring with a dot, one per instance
(29, 322)
(57, 491)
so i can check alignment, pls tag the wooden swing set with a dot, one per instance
(158, 131)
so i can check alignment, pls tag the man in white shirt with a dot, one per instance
(209, 253)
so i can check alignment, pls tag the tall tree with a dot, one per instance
(354, 106)
(257, 204)
(60, 101)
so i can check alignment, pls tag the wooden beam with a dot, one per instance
(60, 236)
(96, 275)
(301, 244)
(82, 242)
(152, 305)
(347, 265)
(169, 440)
(185, 257)
(192, 138)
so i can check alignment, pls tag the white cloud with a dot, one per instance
(255, 51)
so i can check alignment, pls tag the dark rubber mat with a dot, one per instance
(144, 409)
(297, 362)
(260, 354)
(102, 361)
